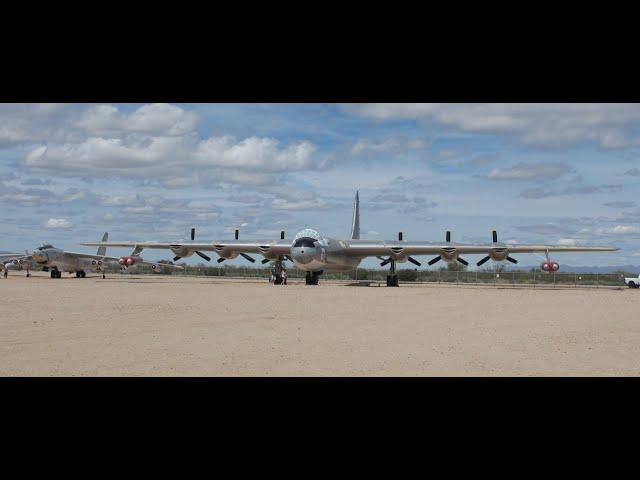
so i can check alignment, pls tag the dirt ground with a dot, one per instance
(165, 326)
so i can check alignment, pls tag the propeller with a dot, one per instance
(435, 260)
(202, 255)
(251, 259)
(484, 260)
(414, 261)
(494, 237)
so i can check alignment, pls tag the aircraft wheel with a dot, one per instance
(58, 274)
(392, 280)
(53, 274)
(633, 285)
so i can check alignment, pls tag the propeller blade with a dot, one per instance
(484, 260)
(414, 261)
(237, 233)
(435, 260)
(220, 260)
(495, 236)
(265, 260)
(175, 259)
(282, 235)
(251, 259)
(463, 261)
(512, 260)
(193, 234)
(202, 255)
(385, 262)
(448, 236)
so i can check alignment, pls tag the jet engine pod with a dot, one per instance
(127, 261)
(549, 266)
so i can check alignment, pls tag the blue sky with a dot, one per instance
(558, 173)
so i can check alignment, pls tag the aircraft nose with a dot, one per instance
(39, 256)
(303, 255)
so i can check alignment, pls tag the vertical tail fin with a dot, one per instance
(102, 251)
(355, 224)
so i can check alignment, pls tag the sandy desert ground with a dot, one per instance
(163, 326)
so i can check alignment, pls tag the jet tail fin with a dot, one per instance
(102, 251)
(355, 224)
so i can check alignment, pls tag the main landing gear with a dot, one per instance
(312, 278)
(392, 278)
(55, 273)
(81, 274)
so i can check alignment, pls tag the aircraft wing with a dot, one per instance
(384, 248)
(10, 256)
(556, 248)
(109, 259)
(228, 247)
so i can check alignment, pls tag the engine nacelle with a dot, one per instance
(127, 261)
(225, 253)
(449, 254)
(498, 254)
(550, 266)
(182, 251)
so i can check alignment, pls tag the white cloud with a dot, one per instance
(389, 145)
(156, 118)
(546, 125)
(624, 230)
(567, 241)
(254, 152)
(530, 171)
(178, 161)
(58, 223)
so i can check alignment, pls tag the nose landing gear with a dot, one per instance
(55, 273)
(312, 278)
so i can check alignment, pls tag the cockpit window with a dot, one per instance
(45, 247)
(305, 242)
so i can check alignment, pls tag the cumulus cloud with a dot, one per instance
(255, 153)
(531, 172)
(33, 123)
(58, 224)
(543, 125)
(155, 142)
(178, 161)
(156, 118)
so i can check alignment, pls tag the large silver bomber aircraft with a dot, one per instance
(56, 261)
(316, 254)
